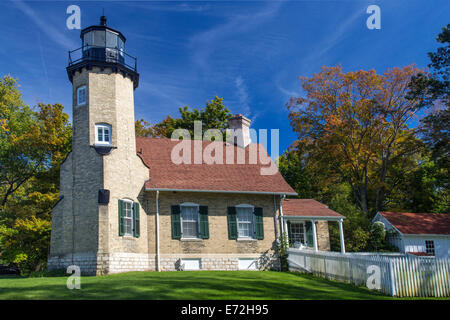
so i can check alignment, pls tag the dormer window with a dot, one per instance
(103, 134)
(81, 96)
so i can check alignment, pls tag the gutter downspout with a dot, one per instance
(275, 216)
(157, 233)
(281, 215)
(282, 221)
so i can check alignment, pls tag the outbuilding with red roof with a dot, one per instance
(421, 234)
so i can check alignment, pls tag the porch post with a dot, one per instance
(286, 231)
(313, 223)
(341, 235)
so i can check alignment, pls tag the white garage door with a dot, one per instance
(248, 264)
(191, 264)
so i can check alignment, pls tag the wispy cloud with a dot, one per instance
(52, 32)
(171, 6)
(318, 52)
(205, 43)
(242, 93)
(289, 93)
(44, 66)
(333, 38)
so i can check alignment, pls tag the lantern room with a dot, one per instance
(103, 43)
(103, 47)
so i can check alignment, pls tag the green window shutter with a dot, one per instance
(232, 223)
(204, 225)
(121, 214)
(309, 233)
(176, 222)
(137, 227)
(259, 225)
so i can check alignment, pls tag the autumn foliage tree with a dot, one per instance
(354, 126)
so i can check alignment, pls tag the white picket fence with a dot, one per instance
(393, 274)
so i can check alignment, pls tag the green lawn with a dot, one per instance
(185, 285)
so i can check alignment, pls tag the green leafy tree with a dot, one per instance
(420, 189)
(378, 234)
(33, 144)
(214, 116)
(356, 225)
(434, 87)
(296, 174)
(26, 244)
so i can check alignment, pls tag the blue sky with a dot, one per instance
(248, 52)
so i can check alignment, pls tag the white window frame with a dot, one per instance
(305, 238)
(252, 223)
(130, 202)
(190, 205)
(82, 103)
(103, 126)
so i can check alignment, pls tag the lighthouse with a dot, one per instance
(102, 176)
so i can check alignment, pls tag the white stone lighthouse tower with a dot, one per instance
(102, 177)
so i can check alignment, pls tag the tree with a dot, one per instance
(434, 87)
(143, 129)
(354, 125)
(33, 144)
(26, 244)
(296, 174)
(378, 234)
(214, 116)
(356, 225)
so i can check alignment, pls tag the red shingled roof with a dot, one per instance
(307, 208)
(164, 174)
(420, 254)
(419, 223)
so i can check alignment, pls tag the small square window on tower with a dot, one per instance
(81, 96)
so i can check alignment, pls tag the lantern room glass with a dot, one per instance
(103, 45)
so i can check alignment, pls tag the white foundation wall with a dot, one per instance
(93, 264)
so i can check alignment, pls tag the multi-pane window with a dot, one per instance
(189, 221)
(81, 95)
(297, 233)
(429, 246)
(245, 222)
(128, 218)
(103, 134)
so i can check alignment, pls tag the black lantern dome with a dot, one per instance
(103, 47)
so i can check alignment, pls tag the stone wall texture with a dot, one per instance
(323, 235)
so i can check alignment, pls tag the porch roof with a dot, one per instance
(308, 209)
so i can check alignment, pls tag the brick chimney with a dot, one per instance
(240, 133)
